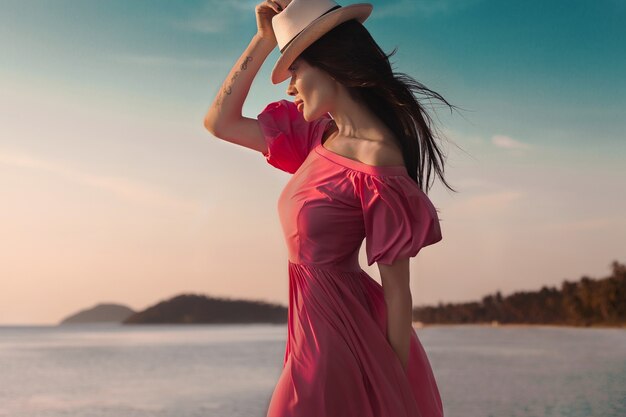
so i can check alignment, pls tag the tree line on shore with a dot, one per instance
(587, 302)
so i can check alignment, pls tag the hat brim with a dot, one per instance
(313, 32)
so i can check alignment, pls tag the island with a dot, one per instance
(100, 313)
(196, 308)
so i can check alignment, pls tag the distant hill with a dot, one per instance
(194, 308)
(589, 302)
(101, 313)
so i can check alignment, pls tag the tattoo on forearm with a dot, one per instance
(227, 90)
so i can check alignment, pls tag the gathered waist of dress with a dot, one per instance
(352, 267)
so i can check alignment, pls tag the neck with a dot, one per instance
(354, 119)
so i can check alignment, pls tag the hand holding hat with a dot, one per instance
(265, 11)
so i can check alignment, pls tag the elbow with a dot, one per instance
(215, 125)
(210, 125)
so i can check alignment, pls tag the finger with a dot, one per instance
(275, 5)
(283, 3)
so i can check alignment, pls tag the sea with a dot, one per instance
(113, 370)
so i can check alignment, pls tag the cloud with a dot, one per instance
(122, 187)
(594, 223)
(482, 205)
(462, 137)
(156, 60)
(217, 16)
(205, 24)
(502, 141)
(468, 182)
(513, 146)
(422, 8)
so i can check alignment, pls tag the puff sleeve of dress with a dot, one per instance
(399, 218)
(288, 135)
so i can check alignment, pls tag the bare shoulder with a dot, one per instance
(382, 153)
(371, 152)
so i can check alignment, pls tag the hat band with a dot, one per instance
(287, 44)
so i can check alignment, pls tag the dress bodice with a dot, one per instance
(332, 203)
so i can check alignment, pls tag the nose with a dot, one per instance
(290, 88)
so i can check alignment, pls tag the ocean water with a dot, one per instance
(230, 370)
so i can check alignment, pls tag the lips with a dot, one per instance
(298, 102)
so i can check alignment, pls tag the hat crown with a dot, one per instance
(298, 14)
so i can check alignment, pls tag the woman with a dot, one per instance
(357, 142)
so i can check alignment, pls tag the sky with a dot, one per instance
(112, 190)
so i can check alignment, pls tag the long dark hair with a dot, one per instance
(350, 55)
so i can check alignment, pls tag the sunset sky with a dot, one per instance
(112, 190)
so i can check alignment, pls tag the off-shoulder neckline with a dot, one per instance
(358, 165)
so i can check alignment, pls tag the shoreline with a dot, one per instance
(414, 324)
(419, 325)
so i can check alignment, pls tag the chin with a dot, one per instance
(308, 116)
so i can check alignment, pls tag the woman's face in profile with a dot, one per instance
(314, 87)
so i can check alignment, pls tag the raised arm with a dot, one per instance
(224, 118)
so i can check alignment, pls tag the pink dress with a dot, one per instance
(338, 361)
